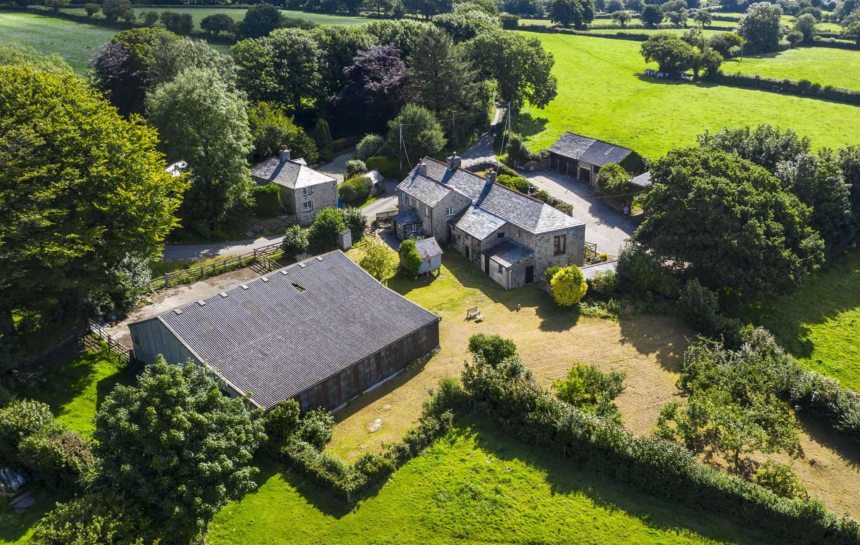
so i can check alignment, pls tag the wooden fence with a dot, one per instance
(261, 256)
(98, 333)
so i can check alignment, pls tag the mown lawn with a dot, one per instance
(237, 14)
(602, 94)
(75, 42)
(822, 65)
(820, 323)
(476, 485)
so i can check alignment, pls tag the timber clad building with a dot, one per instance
(510, 236)
(321, 331)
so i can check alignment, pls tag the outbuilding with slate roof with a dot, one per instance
(321, 331)
(583, 157)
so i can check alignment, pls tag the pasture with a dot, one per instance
(602, 93)
(237, 14)
(820, 323)
(822, 65)
(75, 42)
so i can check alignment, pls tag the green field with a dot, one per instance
(474, 486)
(601, 94)
(73, 41)
(820, 323)
(823, 65)
(237, 14)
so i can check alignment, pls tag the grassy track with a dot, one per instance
(820, 323)
(237, 14)
(601, 94)
(75, 42)
(474, 486)
(823, 65)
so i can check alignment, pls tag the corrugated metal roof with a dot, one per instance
(288, 173)
(643, 180)
(280, 337)
(589, 150)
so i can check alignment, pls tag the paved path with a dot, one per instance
(604, 225)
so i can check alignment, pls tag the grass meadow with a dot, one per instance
(820, 323)
(75, 42)
(601, 93)
(822, 65)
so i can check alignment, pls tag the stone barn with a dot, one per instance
(322, 331)
(583, 157)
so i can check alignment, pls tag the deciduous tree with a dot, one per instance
(174, 444)
(378, 259)
(217, 23)
(415, 133)
(578, 13)
(671, 53)
(760, 27)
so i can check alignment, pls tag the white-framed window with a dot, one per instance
(307, 191)
(449, 211)
(308, 205)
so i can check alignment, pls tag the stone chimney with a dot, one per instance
(491, 176)
(454, 162)
(284, 154)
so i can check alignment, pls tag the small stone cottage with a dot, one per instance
(510, 236)
(304, 191)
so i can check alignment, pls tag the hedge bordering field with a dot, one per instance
(789, 87)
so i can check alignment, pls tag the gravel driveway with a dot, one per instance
(604, 225)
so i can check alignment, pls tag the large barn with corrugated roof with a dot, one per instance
(321, 331)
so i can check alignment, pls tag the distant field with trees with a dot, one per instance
(822, 65)
(75, 42)
(601, 93)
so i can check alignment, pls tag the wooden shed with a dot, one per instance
(431, 255)
(322, 331)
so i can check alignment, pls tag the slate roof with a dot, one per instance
(589, 150)
(428, 248)
(276, 340)
(408, 217)
(504, 203)
(643, 180)
(479, 223)
(291, 173)
(509, 252)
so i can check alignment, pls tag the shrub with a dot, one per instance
(369, 146)
(60, 456)
(699, 307)
(354, 167)
(514, 182)
(613, 180)
(378, 260)
(19, 420)
(355, 190)
(640, 274)
(281, 423)
(356, 221)
(295, 241)
(267, 200)
(316, 428)
(92, 9)
(568, 286)
(492, 349)
(779, 479)
(603, 283)
(586, 387)
(410, 259)
(549, 273)
(94, 519)
(324, 230)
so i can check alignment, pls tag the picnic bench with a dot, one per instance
(474, 314)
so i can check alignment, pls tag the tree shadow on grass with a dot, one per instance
(827, 436)
(526, 124)
(565, 477)
(664, 336)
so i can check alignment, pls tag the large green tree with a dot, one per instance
(178, 55)
(201, 121)
(339, 46)
(520, 65)
(760, 27)
(578, 13)
(729, 222)
(415, 133)
(81, 190)
(671, 53)
(175, 445)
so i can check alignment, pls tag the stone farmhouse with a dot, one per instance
(582, 157)
(321, 331)
(304, 191)
(510, 236)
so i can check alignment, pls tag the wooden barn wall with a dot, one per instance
(364, 374)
